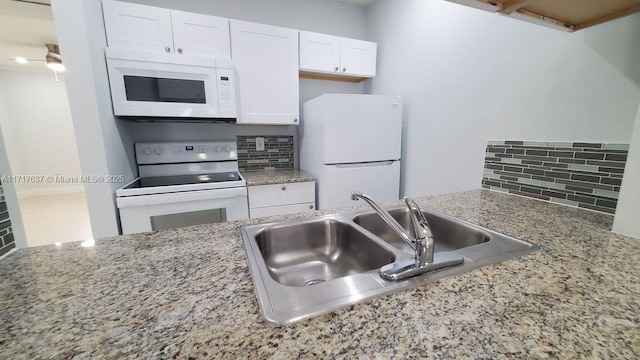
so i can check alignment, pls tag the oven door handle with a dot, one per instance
(178, 197)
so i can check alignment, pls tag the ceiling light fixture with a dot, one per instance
(54, 60)
(21, 60)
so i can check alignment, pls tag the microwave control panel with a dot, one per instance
(226, 92)
(181, 152)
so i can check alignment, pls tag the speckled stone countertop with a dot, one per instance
(187, 293)
(270, 177)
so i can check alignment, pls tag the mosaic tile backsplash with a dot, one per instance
(7, 241)
(585, 175)
(277, 154)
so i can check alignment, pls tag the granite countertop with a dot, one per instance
(270, 177)
(187, 293)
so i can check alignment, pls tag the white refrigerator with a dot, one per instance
(352, 142)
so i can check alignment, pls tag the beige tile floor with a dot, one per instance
(49, 219)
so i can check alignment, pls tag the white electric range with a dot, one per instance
(183, 184)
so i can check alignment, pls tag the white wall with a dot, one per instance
(468, 76)
(38, 130)
(105, 143)
(626, 219)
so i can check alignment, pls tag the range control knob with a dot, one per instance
(227, 148)
(158, 150)
(218, 148)
(147, 151)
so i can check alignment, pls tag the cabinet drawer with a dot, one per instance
(282, 194)
(280, 210)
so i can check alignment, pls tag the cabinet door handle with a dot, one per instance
(179, 51)
(284, 187)
(295, 120)
(337, 68)
(167, 49)
(311, 207)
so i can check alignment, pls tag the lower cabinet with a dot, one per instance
(279, 199)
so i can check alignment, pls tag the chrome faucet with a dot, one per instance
(424, 236)
(423, 243)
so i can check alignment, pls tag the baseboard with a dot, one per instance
(50, 191)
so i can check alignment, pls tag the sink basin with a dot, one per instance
(449, 234)
(307, 267)
(314, 252)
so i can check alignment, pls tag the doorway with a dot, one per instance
(41, 148)
(37, 128)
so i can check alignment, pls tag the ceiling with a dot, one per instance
(24, 29)
(566, 15)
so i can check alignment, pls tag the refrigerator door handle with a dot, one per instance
(367, 164)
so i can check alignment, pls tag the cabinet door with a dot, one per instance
(266, 61)
(319, 52)
(358, 57)
(138, 26)
(200, 35)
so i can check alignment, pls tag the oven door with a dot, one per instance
(165, 211)
(156, 85)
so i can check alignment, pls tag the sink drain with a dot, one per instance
(314, 281)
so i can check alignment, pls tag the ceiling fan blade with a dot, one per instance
(13, 59)
(32, 2)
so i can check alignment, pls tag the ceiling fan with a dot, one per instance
(53, 58)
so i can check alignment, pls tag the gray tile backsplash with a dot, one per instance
(585, 175)
(7, 242)
(277, 154)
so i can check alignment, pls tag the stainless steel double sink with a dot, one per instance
(307, 267)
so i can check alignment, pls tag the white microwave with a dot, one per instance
(154, 86)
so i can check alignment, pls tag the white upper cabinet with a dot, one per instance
(337, 56)
(319, 52)
(200, 35)
(358, 57)
(266, 61)
(162, 30)
(138, 26)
